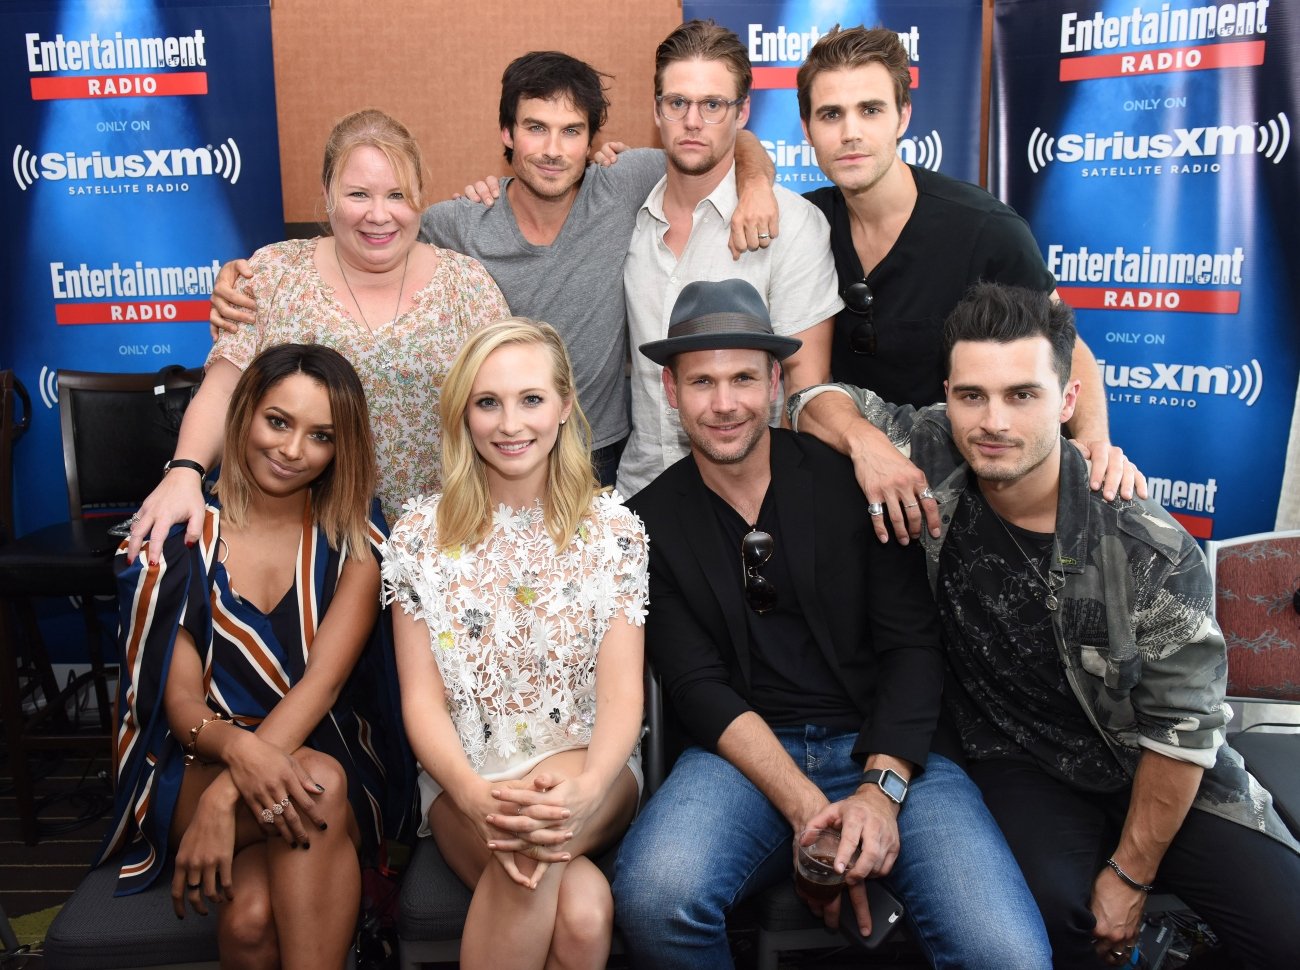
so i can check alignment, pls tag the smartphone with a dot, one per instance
(886, 911)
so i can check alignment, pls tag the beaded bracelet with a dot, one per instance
(192, 749)
(1129, 880)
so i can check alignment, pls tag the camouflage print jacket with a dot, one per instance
(1145, 658)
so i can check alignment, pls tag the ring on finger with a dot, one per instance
(194, 886)
(912, 506)
(277, 809)
(284, 802)
(875, 508)
(926, 493)
(764, 235)
(268, 816)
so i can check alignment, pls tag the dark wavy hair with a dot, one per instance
(550, 75)
(342, 493)
(855, 47)
(999, 313)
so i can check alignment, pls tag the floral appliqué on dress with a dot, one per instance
(516, 626)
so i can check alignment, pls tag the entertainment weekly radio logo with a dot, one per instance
(1177, 29)
(1182, 151)
(1148, 279)
(131, 293)
(100, 174)
(123, 66)
(782, 46)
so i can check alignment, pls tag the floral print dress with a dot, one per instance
(401, 365)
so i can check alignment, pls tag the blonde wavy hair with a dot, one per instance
(465, 512)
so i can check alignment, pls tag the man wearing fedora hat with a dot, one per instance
(795, 652)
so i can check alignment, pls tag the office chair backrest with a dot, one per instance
(1257, 603)
(15, 416)
(118, 432)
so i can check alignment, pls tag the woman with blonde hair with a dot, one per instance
(253, 687)
(396, 308)
(519, 648)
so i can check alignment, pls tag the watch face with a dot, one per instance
(893, 785)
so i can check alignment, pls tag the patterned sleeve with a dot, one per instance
(269, 265)
(627, 552)
(413, 533)
(484, 302)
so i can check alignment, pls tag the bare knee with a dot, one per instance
(584, 913)
(248, 937)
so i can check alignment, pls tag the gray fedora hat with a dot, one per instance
(722, 315)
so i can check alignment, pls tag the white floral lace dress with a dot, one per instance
(516, 626)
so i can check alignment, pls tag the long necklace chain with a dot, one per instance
(400, 287)
(1050, 601)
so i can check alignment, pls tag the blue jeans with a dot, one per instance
(708, 839)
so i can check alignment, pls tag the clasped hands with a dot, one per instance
(535, 819)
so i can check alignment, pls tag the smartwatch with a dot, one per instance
(888, 781)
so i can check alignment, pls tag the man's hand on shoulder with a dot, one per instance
(1111, 472)
(485, 191)
(231, 308)
(895, 487)
(607, 154)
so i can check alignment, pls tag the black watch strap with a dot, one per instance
(888, 781)
(186, 463)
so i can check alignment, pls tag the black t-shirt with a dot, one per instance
(791, 682)
(1006, 688)
(957, 235)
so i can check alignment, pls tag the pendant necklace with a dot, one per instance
(1049, 582)
(400, 286)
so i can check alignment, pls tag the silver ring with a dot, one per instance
(284, 802)
(277, 809)
(267, 816)
(135, 517)
(875, 508)
(912, 506)
(926, 493)
(764, 235)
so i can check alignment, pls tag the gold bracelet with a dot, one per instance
(192, 749)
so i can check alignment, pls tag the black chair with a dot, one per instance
(118, 430)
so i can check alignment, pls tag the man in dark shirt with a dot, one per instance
(1086, 674)
(795, 650)
(907, 243)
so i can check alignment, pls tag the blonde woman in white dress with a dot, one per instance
(519, 646)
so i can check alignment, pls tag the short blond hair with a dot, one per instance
(465, 512)
(371, 127)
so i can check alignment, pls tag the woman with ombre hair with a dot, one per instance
(256, 699)
(519, 647)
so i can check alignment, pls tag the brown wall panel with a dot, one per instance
(436, 65)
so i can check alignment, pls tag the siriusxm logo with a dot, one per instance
(1270, 139)
(924, 152)
(1244, 382)
(223, 161)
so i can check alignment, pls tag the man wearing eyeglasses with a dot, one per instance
(908, 243)
(796, 651)
(1086, 674)
(702, 82)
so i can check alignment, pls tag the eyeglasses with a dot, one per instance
(755, 550)
(859, 299)
(673, 107)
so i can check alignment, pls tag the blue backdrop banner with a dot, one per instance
(142, 145)
(1148, 143)
(942, 38)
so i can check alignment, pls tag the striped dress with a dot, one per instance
(250, 660)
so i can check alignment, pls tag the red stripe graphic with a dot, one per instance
(1197, 526)
(119, 86)
(1148, 298)
(142, 311)
(768, 78)
(1246, 53)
